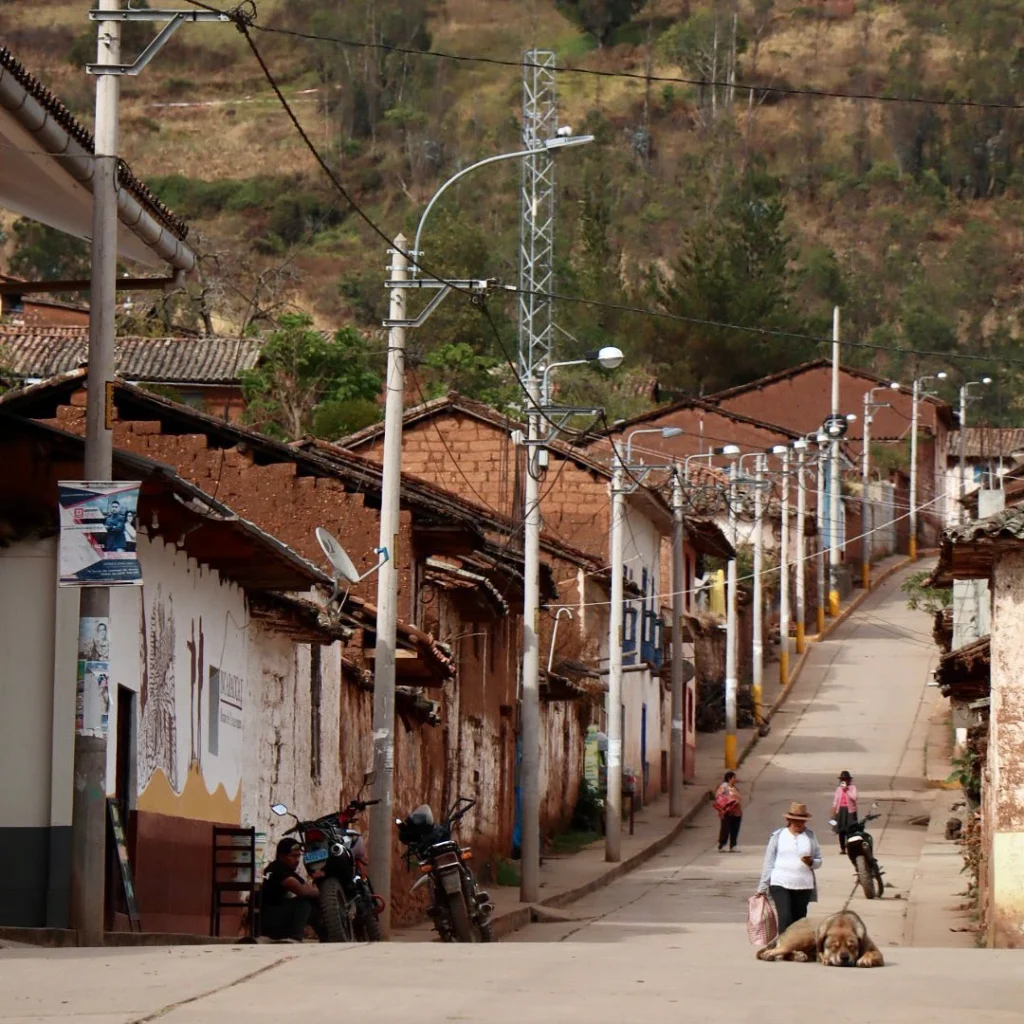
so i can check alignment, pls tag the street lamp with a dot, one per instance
(965, 397)
(387, 582)
(558, 142)
(867, 535)
(919, 393)
(610, 358)
(725, 449)
(835, 427)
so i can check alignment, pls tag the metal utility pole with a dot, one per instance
(865, 477)
(381, 814)
(919, 393)
(758, 644)
(834, 482)
(784, 577)
(731, 681)
(89, 813)
(536, 277)
(677, 748)
(613, 797)
(801, 566)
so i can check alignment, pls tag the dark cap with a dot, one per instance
(287, 845)
(845, 777)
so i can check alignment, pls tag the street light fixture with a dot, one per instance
(724, 450)
(919, 393)
(867, 535)
(965, 397)
(387, 583)
(665, 432)
(608, 358)
(560, 141)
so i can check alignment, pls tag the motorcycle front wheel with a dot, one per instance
(879, 884)
(334, 911)
(867, 883)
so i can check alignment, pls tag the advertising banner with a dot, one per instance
(98, 524)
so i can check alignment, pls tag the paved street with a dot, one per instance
(665, 944)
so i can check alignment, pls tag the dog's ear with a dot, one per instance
(859, 928)
(821, 936)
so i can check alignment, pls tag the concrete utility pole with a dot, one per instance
(865, 479)
(758, 644)
(801, 567)
(834, 481)
(529, 779)
(381, 814)
(731, 680)
(89, 813)
(822, 519)
(919, 393)
(677, 745)
(784, 576)
(613, 798)
(965, 397)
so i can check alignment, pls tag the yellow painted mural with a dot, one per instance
(194, 801)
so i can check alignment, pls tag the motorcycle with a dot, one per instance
(460, 909)
(860, 848)
(348, 905)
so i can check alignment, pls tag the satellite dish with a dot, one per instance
(337, 556)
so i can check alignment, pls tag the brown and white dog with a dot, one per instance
(841, 940)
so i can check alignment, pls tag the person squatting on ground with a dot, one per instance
(730, 810)
(288, 903)
(790, 860)
(844, 807)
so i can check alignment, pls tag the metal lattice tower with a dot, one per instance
(537, 231)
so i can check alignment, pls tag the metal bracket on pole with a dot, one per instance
(421, 319)
(174, 19)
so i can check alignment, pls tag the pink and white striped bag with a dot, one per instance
(762, 920)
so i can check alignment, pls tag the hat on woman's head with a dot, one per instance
(798, 812)
(845, 777)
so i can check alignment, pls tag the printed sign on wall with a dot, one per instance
(92, 700)
(98, 524)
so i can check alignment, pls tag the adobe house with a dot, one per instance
(800, 398)
(203, 372)
(986, 676)
(462, 586)
(209, 639)
(471, 449)
(993, 457)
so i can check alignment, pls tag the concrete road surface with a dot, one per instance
(666, 944)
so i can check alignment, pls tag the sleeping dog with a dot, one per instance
(841, 940)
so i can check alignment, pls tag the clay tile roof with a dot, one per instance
(60, 113)
(982, 442)
(43, 352)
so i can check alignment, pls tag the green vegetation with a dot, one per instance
(927, 599)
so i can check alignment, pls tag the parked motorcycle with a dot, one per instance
(860, 848)
(460, 910)
(348, 905)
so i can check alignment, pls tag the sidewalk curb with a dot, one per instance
(513, 920)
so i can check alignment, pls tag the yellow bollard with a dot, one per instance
(758, 704)
(865, 575)
(784, 669)
(833, 603)
(821, 619)
(730, 751)
(801, 640)
(913, 549)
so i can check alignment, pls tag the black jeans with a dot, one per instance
(843, 819)
(287, 920)
(729, 830)
(790, 904)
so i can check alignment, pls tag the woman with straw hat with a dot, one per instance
(792, 856)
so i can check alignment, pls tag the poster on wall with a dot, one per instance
(98, 524)
(92, 699)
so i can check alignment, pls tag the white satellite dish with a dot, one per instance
(343, 566)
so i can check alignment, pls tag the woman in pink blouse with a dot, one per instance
(844, 806)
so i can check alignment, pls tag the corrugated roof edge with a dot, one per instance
(60, 113)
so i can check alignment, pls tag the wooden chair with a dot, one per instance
(234, 876)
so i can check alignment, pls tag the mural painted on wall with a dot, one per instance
(158, 732)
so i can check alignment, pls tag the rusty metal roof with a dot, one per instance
(987, 442)
(968, 552)
(44, 352)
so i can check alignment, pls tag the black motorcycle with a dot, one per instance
(348, 905)
(460, 910)
(860, 848)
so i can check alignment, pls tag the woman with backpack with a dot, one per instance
(730, 810)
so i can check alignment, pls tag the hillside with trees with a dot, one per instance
(755, 163)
